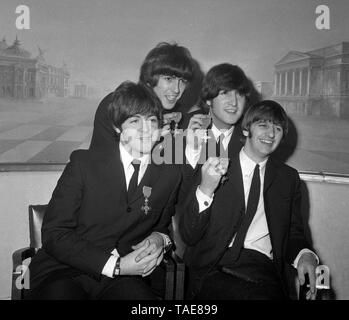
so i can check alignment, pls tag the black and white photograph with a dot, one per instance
(187, 150)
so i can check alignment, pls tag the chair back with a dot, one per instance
(36, 215)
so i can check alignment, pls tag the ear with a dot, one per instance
(245, 133)
(209, 102)
(117, 130)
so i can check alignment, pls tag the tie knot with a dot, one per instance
(136, 164)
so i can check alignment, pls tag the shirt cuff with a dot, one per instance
(204, 200)
(295, 262)
(192, 155)
(109, 266)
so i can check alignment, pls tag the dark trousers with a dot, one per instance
(252, 277)
(81, 287)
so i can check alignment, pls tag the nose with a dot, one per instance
(233, 98)
(271, 131)
(176, 85)
(146, 125)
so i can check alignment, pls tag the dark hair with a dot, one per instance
(266, 110)
(166, 59)
(130, 99)
(223, 76)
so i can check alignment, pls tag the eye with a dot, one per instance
(134, 121)
(153, 120)
(278, 128)
(167, 78)
(184, 81)
(223, 92)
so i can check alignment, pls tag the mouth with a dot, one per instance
(171, 98)
(231, 110)
(266, 141)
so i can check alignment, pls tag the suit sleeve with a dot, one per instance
(192, 223)
(60, 235)
(169, 210)
(297, 240)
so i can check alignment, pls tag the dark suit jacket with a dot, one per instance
(209, 233)
(88, 215)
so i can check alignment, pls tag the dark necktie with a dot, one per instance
(252, 204)
(219, 145)
(134, 180)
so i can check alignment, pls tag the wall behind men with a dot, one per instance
(17, 191)
(327, 217)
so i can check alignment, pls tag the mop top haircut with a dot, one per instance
(130, 99)
(169, 60)
(224, 77)
(266, 110)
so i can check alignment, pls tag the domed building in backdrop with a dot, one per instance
(23, 76)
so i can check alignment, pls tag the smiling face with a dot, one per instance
(263, 137)
(169, 90)
(139, 134)
(227, 108)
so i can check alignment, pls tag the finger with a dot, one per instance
(138, 245)
(312, 280)
(195, 124)
(143, 251)
(150, 266)
(151, 254)
(213, 161)
(301, 277)
(148, 273)
(160, 259)
(146, 252)
(200, 116)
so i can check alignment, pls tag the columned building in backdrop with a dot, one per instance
(314, 82)
(22, 76)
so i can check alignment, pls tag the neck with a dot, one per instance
(253, 156)
(221, 125)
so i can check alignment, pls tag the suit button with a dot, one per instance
(128, 209)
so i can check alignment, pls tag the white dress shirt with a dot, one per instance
(257, 237)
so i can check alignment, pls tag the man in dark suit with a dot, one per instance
(240, 234)
(106, 225)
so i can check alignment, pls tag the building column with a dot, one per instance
(286, 82)
(275, 83)
(308, 82)
(293, 81)
(300, 81)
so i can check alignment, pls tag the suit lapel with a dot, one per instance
(235, 143)
(232, 202)
(116, 172)
(270, 174)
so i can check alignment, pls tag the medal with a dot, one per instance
(146, 193)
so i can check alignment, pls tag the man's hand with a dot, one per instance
(167, 118)
(307, 265)
(211, 174)
(129, 265)
(156, 242)
(196, 130)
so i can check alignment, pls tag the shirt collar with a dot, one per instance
(248, 165)
(216, 132)
(126, 158)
